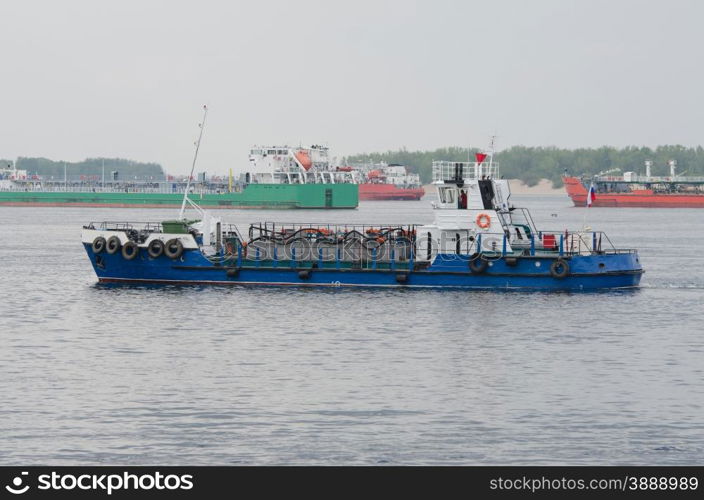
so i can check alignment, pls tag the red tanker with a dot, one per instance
(387, 182)
(636, 191)
(389, 192)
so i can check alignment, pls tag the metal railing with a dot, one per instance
(130, 188)
(314, 230)
(154, 227)
(463, 170)
(567, 243)
(643, 179)
(372, 244)
(542, 243)
(356, 245)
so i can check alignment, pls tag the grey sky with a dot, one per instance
(128, 78)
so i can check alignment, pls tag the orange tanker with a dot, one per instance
(636, 197)
(632, 190)
(387, 182)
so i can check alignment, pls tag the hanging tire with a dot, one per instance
(402, 278)
(304, 275)
(98, 245)
(511, 261)
(113, 245)
(130, 250)
(478, 265)
(173, 248)
(155, 248)
(559, 269)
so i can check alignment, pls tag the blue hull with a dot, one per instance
(592, 272)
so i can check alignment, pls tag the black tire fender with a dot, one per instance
(402, 278)
(130, 250)
(113, 245)
(559, 269)
(155, 248)
(98, 245)
(511, 261)
(478, 265)
(173, 248)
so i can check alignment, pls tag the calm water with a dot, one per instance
(96, 375)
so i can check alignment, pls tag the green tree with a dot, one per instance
(531, 164)
(127, 169)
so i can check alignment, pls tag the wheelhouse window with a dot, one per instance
(447, 195)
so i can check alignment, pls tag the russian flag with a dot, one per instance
(591, 195)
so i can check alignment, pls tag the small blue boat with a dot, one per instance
(478, 240)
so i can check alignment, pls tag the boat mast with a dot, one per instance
(491, 151)
(195, 157)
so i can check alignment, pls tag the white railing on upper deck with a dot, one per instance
(466, 170)
(131, 189)
(642, 179)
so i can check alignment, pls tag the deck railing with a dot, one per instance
(156, 188)
(124, 226)
(463, 170)
(642, 179)
(562, 243)
(369, 245)
(286, 230)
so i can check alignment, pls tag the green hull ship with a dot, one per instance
(276, 177)
(281, 196)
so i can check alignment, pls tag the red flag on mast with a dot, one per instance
(480, 157)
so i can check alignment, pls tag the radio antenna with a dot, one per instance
(492, 149)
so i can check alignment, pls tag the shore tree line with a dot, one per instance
(127, 169)
(531, 164)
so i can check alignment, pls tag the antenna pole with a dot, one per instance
(491, 150)
(193, 166)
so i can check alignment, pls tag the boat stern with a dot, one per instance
(620, 269)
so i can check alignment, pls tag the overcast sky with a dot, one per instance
(128, 78)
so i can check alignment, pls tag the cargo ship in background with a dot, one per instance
(278, 177)
(633, 190)
(386, 182)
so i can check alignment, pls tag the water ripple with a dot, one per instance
(92, 374)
